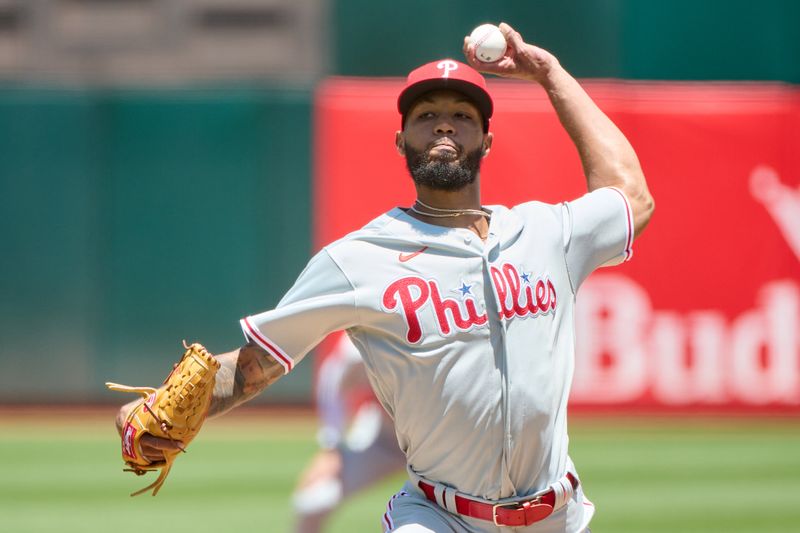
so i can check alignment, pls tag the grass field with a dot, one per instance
(645, 475)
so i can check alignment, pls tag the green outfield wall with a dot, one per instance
(133, 219)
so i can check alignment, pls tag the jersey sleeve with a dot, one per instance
(598, 231)
(321, 301)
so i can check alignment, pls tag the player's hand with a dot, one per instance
(326, 465)
(521, 60)
(152, 447)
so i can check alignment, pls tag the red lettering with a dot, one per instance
(472, 313)
(411, 294)
(502, 292)
(532, 307)
(512, 277)
(540, 296)
(442, 305)
(449, 312)
(402, 289)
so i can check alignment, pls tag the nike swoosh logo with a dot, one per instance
(408, 257)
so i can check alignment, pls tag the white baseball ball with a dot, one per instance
(490, 44)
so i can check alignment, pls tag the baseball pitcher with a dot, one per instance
(462, 312)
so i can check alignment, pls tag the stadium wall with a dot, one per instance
(133, 219)
(107, 194)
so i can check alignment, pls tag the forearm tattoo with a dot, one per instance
(241, 376)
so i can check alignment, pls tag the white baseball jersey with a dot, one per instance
(468, 344)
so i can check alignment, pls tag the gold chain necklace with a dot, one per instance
(444, 213)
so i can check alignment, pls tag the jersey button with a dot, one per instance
(467, 239)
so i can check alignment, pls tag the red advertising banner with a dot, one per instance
(707, 314)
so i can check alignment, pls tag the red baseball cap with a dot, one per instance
(447, 74)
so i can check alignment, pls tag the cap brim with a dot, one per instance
(480, 97)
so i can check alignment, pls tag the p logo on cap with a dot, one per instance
(447, 65)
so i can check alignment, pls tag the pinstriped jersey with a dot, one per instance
(468, 344)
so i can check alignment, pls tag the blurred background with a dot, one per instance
(160, 177)
(156, 156)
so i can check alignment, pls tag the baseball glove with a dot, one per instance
(176, 411)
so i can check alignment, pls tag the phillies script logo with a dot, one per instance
(517, 294)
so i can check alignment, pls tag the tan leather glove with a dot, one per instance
(175, 411)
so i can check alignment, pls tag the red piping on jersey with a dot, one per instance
(273, 350)
(629, 220)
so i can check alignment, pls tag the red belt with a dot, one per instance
(516, 514)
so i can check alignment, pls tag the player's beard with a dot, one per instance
(442, 174)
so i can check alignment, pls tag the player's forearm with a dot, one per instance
(607, 157)
(243, 374)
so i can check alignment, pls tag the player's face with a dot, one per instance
(443, 140)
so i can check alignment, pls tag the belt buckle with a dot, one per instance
(514, 506)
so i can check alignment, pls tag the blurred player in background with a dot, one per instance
(358, 445)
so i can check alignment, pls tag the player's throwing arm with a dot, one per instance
(607, 157)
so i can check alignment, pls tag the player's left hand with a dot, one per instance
(521, 60)
(153, 448)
